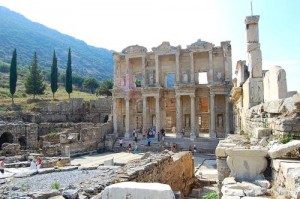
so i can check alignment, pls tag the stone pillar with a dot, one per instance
(127, 133)
(145, 112)
(127, 72)
(157, 113)
(193, 112)
(157, 73)
(143, 71)
(115, 115)
(211, 70)
(227, 126)
(212, 132)
(192, 67)
(178, 116)
(177, 69)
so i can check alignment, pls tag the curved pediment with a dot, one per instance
(200, 46)
(135, 49)
(165, 48)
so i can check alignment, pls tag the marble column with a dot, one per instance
(211, 70)
(212, 132)
(157, 113)
(193, 112)
(227, 127)
(127, 72)
(143, 71)
(178, 116)
(115, 115)
(127, 133)
(157, 82)
(177, 69)
(145, 112)
(192, 67)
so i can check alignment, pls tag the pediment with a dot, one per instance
(135, 49)
(200, 45)
(165, 48)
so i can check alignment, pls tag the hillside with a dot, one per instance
(27, 36)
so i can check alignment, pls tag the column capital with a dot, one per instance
(156, 96)
(127, 98)
(192, 95)
(177, 96)
(212, 94)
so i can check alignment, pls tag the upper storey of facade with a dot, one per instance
(166, 66)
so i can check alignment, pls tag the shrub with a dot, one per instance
(286, 138)
(211, 195)
(55, 185)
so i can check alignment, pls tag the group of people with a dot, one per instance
(36, 165)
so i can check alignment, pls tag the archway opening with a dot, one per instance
(6, 138)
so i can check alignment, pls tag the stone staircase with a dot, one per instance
(203, 145)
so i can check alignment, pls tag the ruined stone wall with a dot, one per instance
(281, 116)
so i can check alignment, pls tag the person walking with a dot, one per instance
(39, 163)
(121, 142)
(136, 150)
(158, 136)
(2, 166)
(148, 141)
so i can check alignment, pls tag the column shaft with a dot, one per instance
(157, 73)
(127, 72)
(157, 113)
(193, 112)
(177, 69)
(127, 133)
(115, 115)
(143, 72)
(212, 132)
(211, 70)
(178, 116)
(192, 67)
(145, 112)
(227, 127)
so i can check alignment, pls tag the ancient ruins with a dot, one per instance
(246, 128)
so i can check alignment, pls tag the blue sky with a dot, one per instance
(116, 24)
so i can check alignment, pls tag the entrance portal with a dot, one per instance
(6, 138)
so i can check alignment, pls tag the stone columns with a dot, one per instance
(157, 113)
(178, 116)
(127, 72)
(212, 132)
(227, 126)
(211, 70)
(127, 133)
(143, 71)
(193, 112)
(177, 69)
(115, 115)
(157, 82)
(192, 67)
(145, 112)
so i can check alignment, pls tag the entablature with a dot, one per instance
(200, 46)
(165, 48)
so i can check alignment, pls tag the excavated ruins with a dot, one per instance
(245, 131)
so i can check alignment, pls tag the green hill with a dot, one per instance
(26, 36)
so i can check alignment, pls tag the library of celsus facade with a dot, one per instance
(173, 87)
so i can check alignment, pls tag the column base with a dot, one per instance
(127, 135)
(213, 135)
(192, 137)
(178, 135)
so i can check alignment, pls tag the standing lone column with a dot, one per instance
(227, 129)
(145, 112)
(115, 115)
(178, 116)
(157, 113)
(212, 132)
(127, 134)
(193, 112)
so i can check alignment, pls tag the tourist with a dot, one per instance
(136, 150)
(135, 137)
(129, 148)
(158, 136)
(174, 148)
(32, 165)
(59, 163)
(148, 141)
(182, 132)
(163, 137)
(2, 166)
(133, 133)
(195, 149)
(121, 142)
(39, 163)
(144, 132)
(162, 131)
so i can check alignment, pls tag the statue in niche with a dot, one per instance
(123, 81)
(219, 76)
(151, 78)
(187, 121)
(185, 77)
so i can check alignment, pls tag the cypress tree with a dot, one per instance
(54, 74)
(13, 75)
(34, 82)
(68, 84)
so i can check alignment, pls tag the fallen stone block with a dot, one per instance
(261, 132)
(70, 193)
(278, 151)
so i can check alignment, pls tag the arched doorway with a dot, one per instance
(22, 142)
(6, 138)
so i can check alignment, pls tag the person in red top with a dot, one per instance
(39, 162)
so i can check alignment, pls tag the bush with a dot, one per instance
(55, 185)
(286, 138)
(210, 195)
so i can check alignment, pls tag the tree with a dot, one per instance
(68, 84)
(54, 75)
(91, 83)
(34, 82)
(105, 87)
(13, 75)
